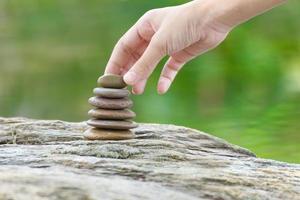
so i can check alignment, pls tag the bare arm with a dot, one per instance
(235, 12)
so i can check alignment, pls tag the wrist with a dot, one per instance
(212, 12)
(228, 14)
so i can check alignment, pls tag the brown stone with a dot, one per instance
(111, 81)
(111, 92)
(112, 124)
(101, 134)
(111, 114)
(113, 104)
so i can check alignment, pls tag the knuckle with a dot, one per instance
(167, 77)
(123, 45)
(214, 39)
(150, 13)
(145, 30)
(158, 45)
(121, 42)
(144, 69)
(189, 54)
(174, 66)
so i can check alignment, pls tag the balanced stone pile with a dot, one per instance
(111, 117)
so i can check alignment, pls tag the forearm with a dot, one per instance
(234, 12)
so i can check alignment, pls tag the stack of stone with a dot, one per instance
(111, 117)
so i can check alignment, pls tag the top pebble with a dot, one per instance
(111, 81)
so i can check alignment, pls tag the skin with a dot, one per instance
(181, 32)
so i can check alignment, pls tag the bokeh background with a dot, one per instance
(246, 91)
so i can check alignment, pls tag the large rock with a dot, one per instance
(50, 160)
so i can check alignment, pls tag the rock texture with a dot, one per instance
(111, 114)
(112, 124)
(111, 81)
(110, 104)
(111, 93)
(51, 160)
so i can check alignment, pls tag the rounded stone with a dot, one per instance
(112, 124)
(101, 134)
(111, 92)
(114, 104)
(111, 81)
(111, 114)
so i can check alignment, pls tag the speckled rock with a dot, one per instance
(111, 81)
(113, 104)
(111, 114)
(112, 124)
(111, 92)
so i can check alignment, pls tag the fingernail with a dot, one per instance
(130, 78)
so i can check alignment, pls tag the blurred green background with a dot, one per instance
(246, 91)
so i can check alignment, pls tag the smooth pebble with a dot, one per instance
(111, 81)
(111, 114)
(101, 134)
(112, 124)
(111, 92)
(114, 104)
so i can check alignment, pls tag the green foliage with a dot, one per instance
(246, 91)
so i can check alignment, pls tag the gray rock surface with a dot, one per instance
(50, 160)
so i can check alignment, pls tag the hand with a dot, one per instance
(182, 32)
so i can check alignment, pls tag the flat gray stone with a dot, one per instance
(112, 124)
(114, 104)
(111, 92)
(111, 114)
(111, 81)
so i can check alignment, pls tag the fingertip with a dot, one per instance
(163, 86)
(160, 89)
(130, 78)
(137, 91)
(160, 92)
(139, 88)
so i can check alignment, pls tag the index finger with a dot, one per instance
(125, 50)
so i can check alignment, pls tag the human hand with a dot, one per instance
(183, 32)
